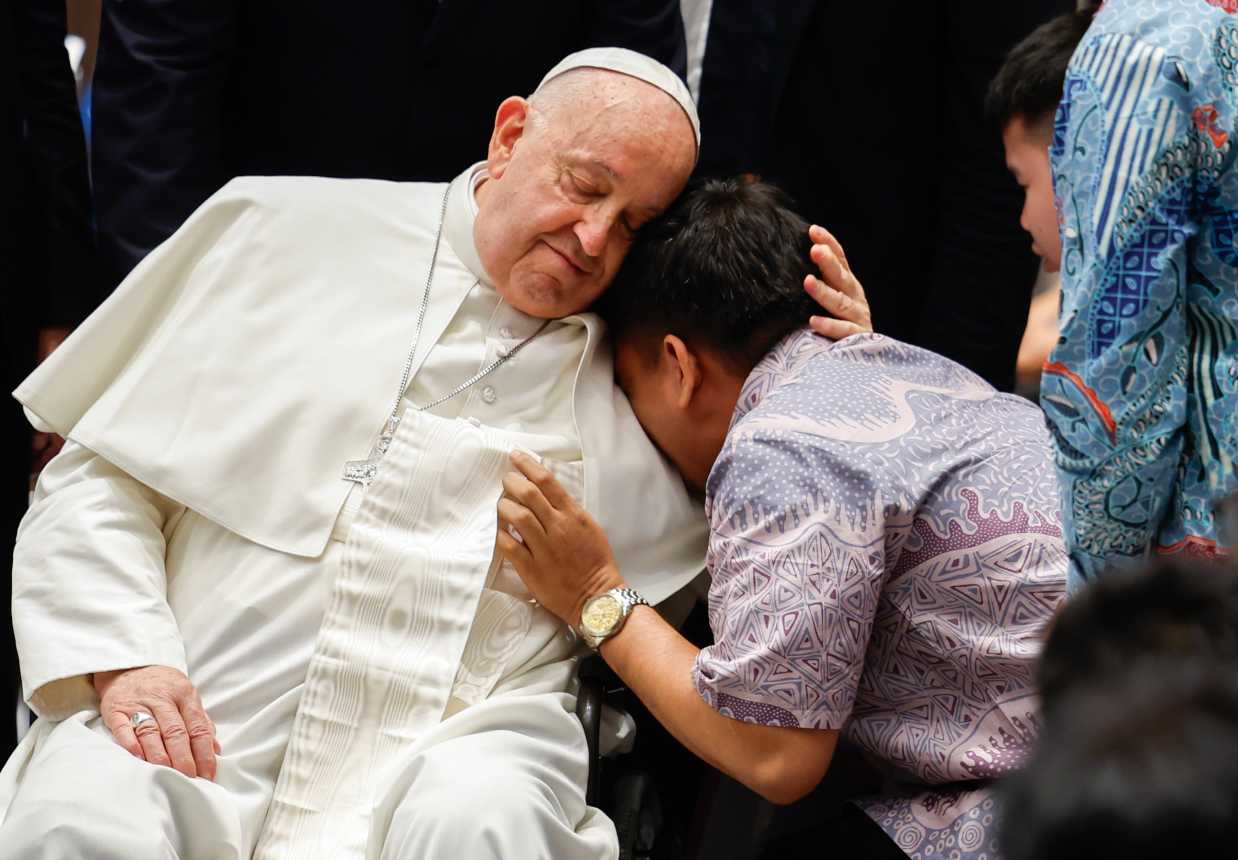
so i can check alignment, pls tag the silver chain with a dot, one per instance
(394, 418)
(363, 471)
(472, 380)
(421, 314)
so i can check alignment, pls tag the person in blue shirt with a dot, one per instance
(1141, 391)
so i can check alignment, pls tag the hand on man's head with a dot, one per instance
(837, 290)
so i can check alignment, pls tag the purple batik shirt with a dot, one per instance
(886, 549)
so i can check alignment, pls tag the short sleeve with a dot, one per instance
(795, 586)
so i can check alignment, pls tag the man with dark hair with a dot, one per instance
(1139, 685)
(1139, 767)
(1021, 102)
(1022, 99)
(1174, 609)
(885, 543)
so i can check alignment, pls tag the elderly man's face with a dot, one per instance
(571, 184)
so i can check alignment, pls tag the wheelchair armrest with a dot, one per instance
(589, 699)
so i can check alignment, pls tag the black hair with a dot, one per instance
(723, 268)
(1138, 756)
(1141, 766)
(1174, 608)
(1030, 81)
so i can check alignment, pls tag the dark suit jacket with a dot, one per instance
(189, 93)
(870, 115)
(48, 274)
(46, 247)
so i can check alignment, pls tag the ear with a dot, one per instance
(510, 122)
(684, 371)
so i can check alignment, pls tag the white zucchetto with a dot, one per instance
(635, 65)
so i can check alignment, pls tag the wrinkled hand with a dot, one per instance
(565, 558)
(181, 735)
(837, 290)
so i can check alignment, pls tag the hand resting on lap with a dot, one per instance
(180, 736)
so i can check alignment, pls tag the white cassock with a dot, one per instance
(381, 685)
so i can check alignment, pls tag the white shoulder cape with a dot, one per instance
(258, 349)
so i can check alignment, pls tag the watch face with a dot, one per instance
(601, 614)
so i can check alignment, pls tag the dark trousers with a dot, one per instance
(852, 835)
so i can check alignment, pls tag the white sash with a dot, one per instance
(415, 561)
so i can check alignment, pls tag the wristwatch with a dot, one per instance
(603, 614)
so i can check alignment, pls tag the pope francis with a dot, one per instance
(256, 597)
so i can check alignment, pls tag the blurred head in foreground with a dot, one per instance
(1139, 753)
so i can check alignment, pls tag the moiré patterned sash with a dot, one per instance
(414, 565)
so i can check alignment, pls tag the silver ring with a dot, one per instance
(139, 718)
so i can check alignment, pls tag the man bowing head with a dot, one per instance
(256, 597)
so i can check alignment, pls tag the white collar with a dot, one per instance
(461, 216)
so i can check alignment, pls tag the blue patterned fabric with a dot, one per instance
(885, 551)
(1141, 393)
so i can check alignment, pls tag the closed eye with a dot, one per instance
(581, 189)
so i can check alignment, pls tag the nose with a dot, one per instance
(592, 231)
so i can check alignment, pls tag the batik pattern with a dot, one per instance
(885, 549)
(1140, 390)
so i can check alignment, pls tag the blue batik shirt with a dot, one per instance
(1140, 392)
